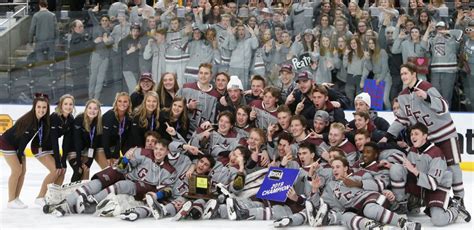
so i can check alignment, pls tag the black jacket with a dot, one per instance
(111, 136)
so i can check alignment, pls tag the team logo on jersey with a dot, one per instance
(142, 173)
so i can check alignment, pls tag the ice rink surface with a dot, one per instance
(33, 217)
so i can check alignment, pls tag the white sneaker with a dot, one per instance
(40, 201)
(16, 204)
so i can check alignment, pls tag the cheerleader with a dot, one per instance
(116, 127)
(33, 125)
(61, 126)
(87, 141)
(145, 117)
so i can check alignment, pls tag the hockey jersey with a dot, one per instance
(434, 113)
(430, 163)
(264, 117)
(217, 142)
(206, 107)
(143, 168)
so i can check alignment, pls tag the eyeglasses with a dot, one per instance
(389, 32)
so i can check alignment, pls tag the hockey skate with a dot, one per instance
(195, 213)
(184, 211)
(463, 213)
(85, 204)
(157, 210)
(221, 189)
(60, 209)
(322, 217)
(129, 214)
(106, 208)
(374, 225)
(401, 208)
(310, 213)
(405, 224)
(210, 210)
(235, 212)
(282, 222)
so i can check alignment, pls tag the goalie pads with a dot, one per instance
(56, 193)
(113, 205)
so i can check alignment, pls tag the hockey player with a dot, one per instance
(362, 207)
(421, 102)
(337, 139)
(202, 98)
(264, 112)
(220, 142)
(135, 175)
(362, 103)
(425, 175)
(164, 203)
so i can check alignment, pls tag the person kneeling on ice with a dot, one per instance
(363, 209)
(128, 178)
(424, 175)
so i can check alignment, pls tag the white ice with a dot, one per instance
(33, 217)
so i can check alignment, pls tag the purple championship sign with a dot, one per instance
(276, 184)
(376, 93)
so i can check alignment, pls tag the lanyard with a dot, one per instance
(40, 133)
(152, 127)
(122, 127)
(91, 135)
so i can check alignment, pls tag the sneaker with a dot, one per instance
(322, 217)
(40, 201)
(21, 202)
(463, 213)
(157, 210)
(282, 222)
(235, 212)
(210, 210)
(14, 204)
(130, 215)
(405, 224)
(184, 211)
(310, 213)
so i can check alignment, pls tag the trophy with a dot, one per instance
(200, 187)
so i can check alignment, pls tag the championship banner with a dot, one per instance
(376, 93)
(276, 184)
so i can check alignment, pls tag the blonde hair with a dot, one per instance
(338, 125)
(59, 107)
(141, 112)
(87, 122)
(114, 105)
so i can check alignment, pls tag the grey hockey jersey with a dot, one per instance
(434, 114)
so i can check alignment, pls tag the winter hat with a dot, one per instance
(235, 82)
(364, 97)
